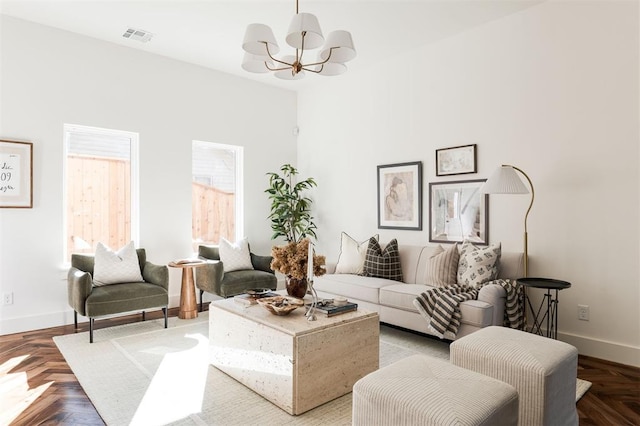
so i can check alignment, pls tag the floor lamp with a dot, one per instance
(505, 180)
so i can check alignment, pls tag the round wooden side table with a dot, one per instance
(550, 314)
(188, 305)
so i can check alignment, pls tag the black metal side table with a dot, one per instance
(549, 299)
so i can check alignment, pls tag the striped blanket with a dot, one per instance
(441, 306)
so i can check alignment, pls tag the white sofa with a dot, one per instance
(393, 300)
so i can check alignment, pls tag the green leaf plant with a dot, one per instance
(290, 210)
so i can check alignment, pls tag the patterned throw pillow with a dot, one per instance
(352, 255)
(116, 267)
(235, 256)
(478, 265)
(383, 263)
(442, 267)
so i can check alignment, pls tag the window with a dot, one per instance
(101, 188)
(216, 193)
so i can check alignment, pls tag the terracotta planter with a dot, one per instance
(296, 287)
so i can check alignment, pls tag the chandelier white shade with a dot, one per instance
(304, 34)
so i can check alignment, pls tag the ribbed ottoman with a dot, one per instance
(420, 390)
(543, 371)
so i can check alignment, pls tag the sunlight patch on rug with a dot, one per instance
(177, 387)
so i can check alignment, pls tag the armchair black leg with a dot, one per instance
(144, 316)
(166, 316)
(91, 330)
(201, 293)
(75, 319)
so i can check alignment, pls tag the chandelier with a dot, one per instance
(304, 34)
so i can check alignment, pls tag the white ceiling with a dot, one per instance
(210, 32)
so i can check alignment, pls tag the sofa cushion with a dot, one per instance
(442, 267)
(478, 265)
(351, 286)
(383, 263)
(352, 255)
(235, 256)
(116, 267)
(401, 296)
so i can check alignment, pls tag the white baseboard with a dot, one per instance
(611, 351)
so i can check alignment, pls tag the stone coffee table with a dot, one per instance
(294, 363)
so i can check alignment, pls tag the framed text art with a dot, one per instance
(459, 211)
(458, 160)
(400, 196)
(16, 174)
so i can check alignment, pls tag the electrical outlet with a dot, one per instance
(7, 298)
(583, 312)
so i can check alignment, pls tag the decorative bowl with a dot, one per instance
(340, 301)
(280, 305)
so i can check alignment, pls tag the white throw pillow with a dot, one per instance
(116, 267)
(235, 256)
(352, 255)
(442, 267)
(478, 265)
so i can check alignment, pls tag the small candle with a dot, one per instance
(310, 262)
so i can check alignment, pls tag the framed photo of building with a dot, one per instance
(16, 174)
(458, 160)
(400, 196)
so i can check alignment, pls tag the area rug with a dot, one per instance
(143, 374)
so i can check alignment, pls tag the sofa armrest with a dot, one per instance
(156, 274)
(209, 277)
(262, 263)
(79, 286)
(495, 295)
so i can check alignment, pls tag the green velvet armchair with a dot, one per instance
(96, 301)
(212, 278)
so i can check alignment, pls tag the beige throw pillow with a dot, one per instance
(235, 256)
(478, 265)
(352, 255)
(442, 267)
(116, 267)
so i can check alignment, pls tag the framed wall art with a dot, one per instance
(400, 196)
(458, 160)
(458, 212)
(16, 174)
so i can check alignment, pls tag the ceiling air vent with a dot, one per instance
(139, 35)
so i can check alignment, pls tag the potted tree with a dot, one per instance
(291, 219)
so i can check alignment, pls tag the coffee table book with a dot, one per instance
(251, 299)
(330, 309)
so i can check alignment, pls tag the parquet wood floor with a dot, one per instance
(38, 383)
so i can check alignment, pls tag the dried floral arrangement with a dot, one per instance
(291, 260)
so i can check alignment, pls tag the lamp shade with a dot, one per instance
(504, 180)
(331, 68)
(255, 38)
(305, 22)
(256, 64)
(341, 40)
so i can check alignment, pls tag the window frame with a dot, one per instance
(134, 162)
(239, 178)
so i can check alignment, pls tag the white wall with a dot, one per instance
(51, 77)
(552, 90)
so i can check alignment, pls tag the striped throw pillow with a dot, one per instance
(442, 267)
(383, 263)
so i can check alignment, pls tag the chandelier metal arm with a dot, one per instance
(266, 45)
